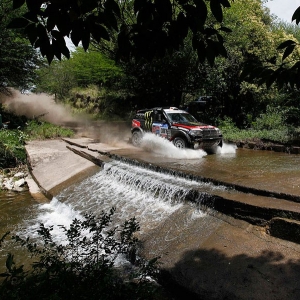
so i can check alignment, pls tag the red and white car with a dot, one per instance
(178, 126)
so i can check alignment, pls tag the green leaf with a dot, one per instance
(164, 8)
(77, 32)
(216, 10)
(18, 23)
(31, 17)
(182, 25)
(110, 18)
(18, 3)
(288, 51)
(31, 32)
(145, 14)
(99, 32)
(63, 23)
(44, 46)
(59, 38)
(86, 39)
(42, 33)
(34, 5)
(211, 52)
(225, 3)
(201, 11)
(65, 51)
(296, 15)
(51, 22)
(201, 51)
(113, 7)
(9, 261)
(56, 49)
(222, 50)
(247, 69)
(138, 5)
(50, 54)
(272, 60)
(286, 44)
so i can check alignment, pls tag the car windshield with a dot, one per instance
(182, 118)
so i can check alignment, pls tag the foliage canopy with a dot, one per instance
(18, 59)
(160, 26)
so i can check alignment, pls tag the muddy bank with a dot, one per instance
(268, 146)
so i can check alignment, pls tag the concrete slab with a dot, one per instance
(53, 166)
(102, 148)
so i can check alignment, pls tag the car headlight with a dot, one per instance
(195, 132)
(218, 131)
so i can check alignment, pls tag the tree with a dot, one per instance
(160, 26)
(285, 70)
(56, 79)
(92, 67)
(85, 68)
(18, 59)
(253, 39)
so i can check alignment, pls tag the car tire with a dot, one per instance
(179, 143)
(136, 138)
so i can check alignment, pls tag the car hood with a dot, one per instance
(195, 126)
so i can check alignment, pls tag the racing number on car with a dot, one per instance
(160, 129)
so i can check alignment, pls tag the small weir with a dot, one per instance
(149, 196)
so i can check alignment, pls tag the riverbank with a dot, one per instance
(258, 144)
(14, 179)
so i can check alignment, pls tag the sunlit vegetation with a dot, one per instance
(12, 141)
(38, 130)
(85, 265)
(270, 126)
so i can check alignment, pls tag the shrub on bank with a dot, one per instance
(263, 129)
(84, 266)
(37, 130)
(12, 152)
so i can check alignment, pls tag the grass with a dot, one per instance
(278, 133)
(36, 130)
(276, 136)
(12, 142)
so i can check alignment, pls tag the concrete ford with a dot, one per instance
(178, 126)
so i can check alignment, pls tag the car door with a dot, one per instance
(160, 125)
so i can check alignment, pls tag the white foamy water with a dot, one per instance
(227, 149)
(148, 196)
(163, 147)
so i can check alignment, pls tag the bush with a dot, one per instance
(269, 126)
(12, 151)
(37, 130)
(84, 266)
(273, 119)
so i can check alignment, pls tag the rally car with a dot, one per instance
(178, 126)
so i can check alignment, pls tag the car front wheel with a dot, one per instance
(136, 138)
(179, 143)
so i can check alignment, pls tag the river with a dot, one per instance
(156, 197)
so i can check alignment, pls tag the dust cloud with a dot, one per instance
(40, 106)
(44, 108)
